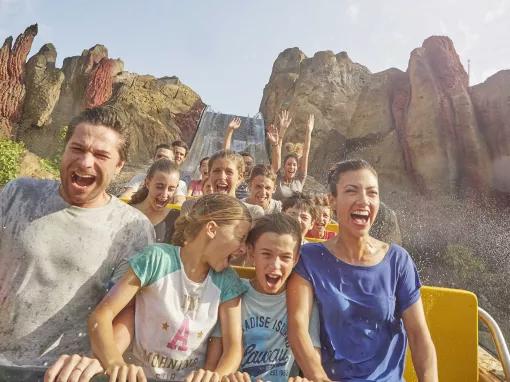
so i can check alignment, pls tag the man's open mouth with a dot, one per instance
(82, 180)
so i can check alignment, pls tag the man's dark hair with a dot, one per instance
(300, 201)
(105, 115)
(179, 143)
(278, 223)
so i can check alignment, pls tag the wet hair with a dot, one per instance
(179, 143)
(105, 115)
(228, 155)
(321, 200)
(222, 209)
(300, 201)
(278, 223)
(164, 165)
(162, 146)
(264, 170)
(346, 166)
(202, 161)
(290, 155)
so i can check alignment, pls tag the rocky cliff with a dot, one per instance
(424, 129)
(37, 99)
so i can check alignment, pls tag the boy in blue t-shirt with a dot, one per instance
(273, 246)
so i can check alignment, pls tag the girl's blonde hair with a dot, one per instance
(222, 209)
(228, 155)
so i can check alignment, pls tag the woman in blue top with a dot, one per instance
(368, 294)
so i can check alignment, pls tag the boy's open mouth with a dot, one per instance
(272, 280)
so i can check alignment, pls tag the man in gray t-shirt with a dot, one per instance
(62, 244)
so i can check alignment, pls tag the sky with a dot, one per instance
(225, 49)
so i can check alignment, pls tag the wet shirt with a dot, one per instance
(174, 316)
(165, 228)
(274, 206)
(360, 309)
(56, 262)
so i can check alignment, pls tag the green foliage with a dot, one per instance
(52, 166)
(10, 156)
(461, 260)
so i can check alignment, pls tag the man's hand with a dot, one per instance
(73, 369)
(234, 124)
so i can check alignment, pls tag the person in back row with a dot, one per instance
(291, 177)
(262, 186)
(195, 186)
(63, 242)
(323, 211)
(153, 197)
(181, 291)
(176, 152)
(273, 247)
(301, 208)
(242, 188)
(225, 172)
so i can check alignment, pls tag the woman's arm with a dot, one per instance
(423, 351)
(303, 163)
(299, 308)
(100, 325)
(232, 125)
(276, 148)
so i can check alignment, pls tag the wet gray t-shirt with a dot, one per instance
(56, 262)
(285, 190)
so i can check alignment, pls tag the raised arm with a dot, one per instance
(276, 148)
(234, 124)
(423, 351)
(303, 163)
(100, 325)
(299, 309)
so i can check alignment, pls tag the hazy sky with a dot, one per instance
(225, 49)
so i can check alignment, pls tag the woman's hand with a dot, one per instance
(273, 135)
(73, 368)
(234, 124)
(122, 372)
(310, 124)
(285, 121)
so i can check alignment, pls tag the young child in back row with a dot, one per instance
(302, 208)
(181, 292)
(273, 246)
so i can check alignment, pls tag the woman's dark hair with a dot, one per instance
(278, 223)
(290, 155)
(164, 165)
(346, 166)
(222, 209)
(202, 161)
(264, 170)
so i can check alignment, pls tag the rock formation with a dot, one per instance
(12, 78)
(423, 129)
(37, 100)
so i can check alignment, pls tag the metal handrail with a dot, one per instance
(499, 341)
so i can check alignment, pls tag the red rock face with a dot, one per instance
(188, 122)
(12, 86)
(100, 83)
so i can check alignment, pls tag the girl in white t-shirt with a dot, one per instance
(181, 292)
